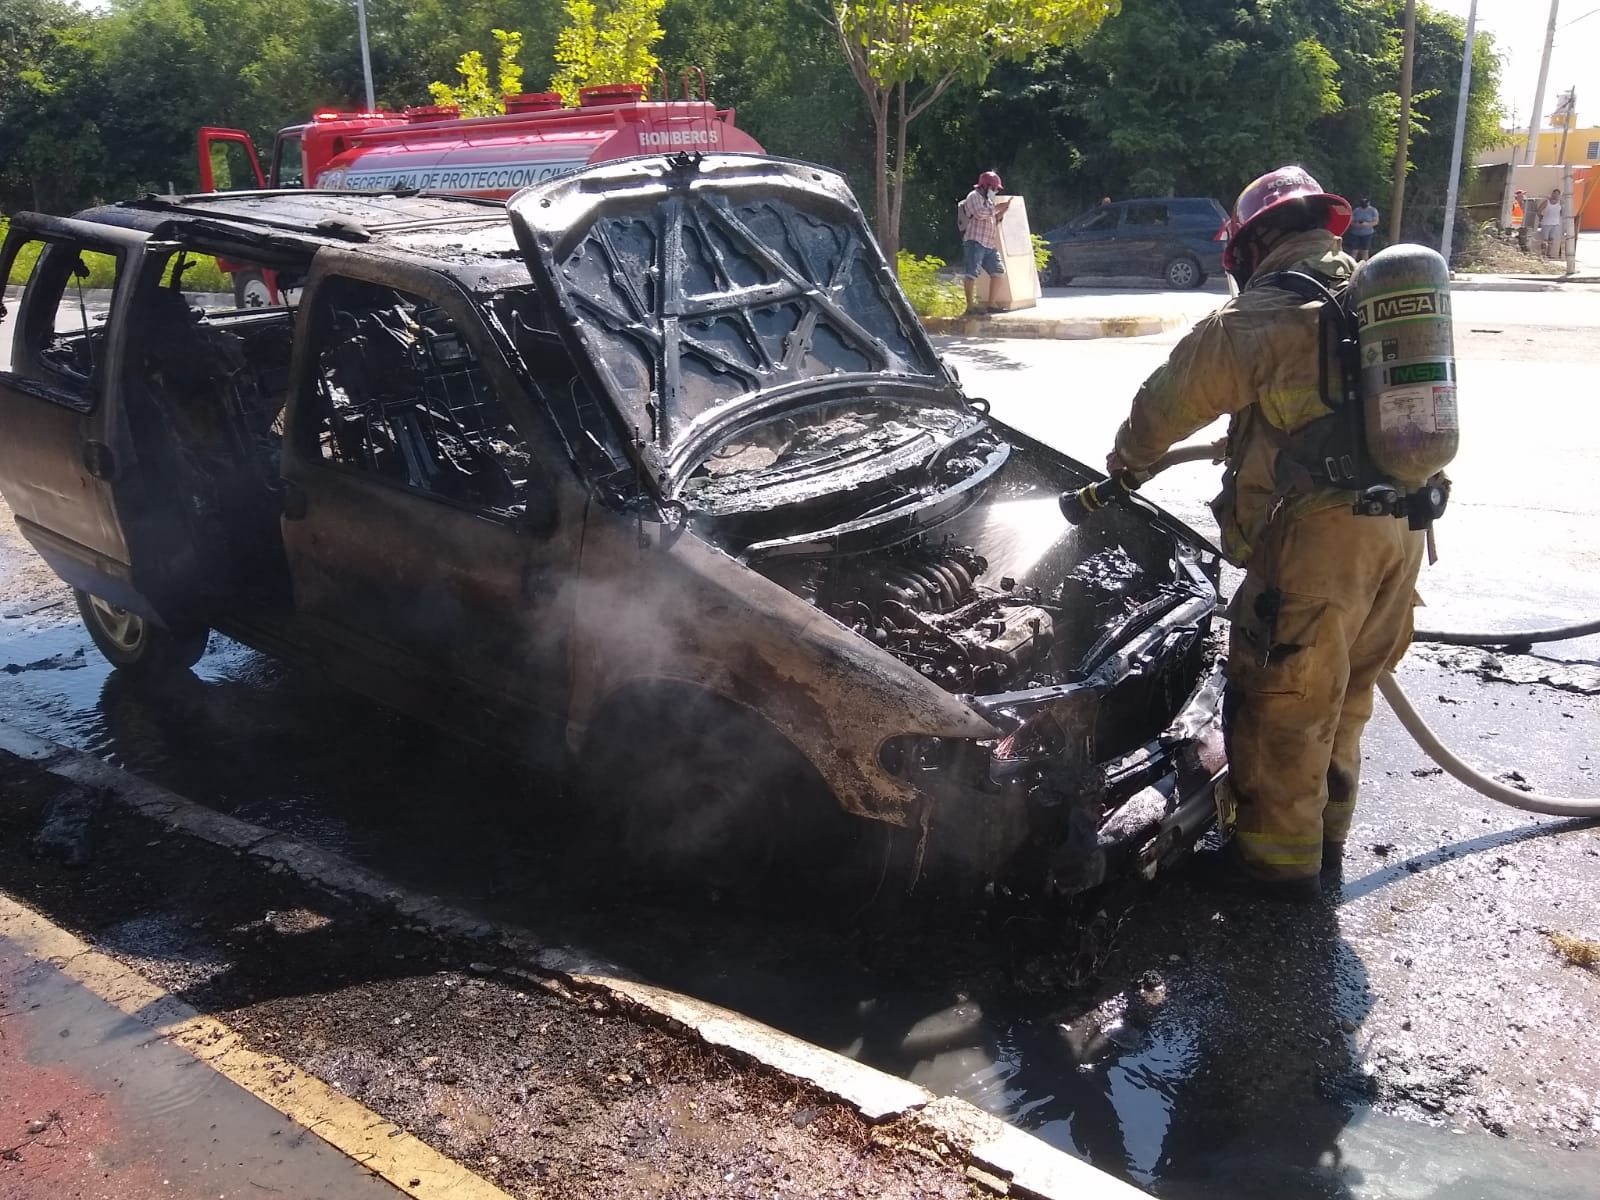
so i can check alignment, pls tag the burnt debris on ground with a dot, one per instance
(542, 1094)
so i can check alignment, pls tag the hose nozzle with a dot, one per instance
(1077, 507)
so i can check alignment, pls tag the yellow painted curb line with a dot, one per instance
(380, 1146)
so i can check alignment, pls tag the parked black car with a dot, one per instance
(1178, 239)
(651, 475)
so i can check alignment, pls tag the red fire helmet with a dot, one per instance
(988, 180)
(1279, 187)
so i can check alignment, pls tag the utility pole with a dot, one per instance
(1403, 133)
(366, 55)
(1569, 222)
(1461, 134)
(1530, 153)
(1567, 106)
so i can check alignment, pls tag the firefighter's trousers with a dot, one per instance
(1321, 613)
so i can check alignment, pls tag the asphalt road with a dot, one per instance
(1438, 934)
(1420, 1038)
(1519, 547)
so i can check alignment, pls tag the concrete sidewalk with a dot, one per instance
(1123, 308)
(1110, 308)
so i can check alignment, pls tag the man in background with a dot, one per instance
(1550, 224)
(1363, 225)
(979, 217)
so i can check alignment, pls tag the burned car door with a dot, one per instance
(67, 460)
(420, 529)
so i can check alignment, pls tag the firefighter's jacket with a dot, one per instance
(1255, 359)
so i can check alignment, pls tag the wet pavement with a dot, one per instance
(92, 1105)
(433, 1058)
(1194, 1048)
(1421, 1038)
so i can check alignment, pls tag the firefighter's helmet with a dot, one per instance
(1276, 188)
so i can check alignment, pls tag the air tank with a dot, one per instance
(1401, 298)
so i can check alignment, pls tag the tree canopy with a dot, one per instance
(474, 96)
(613, 44)
(1069, 99)
(905, 54)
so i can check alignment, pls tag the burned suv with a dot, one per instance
(649, 475)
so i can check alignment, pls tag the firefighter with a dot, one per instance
(1326, 602)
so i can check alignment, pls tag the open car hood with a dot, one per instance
(696, 293)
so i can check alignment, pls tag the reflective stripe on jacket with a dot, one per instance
(1254, 359)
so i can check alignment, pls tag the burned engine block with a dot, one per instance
(927, 608)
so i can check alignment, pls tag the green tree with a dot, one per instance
(780, 67)
(1195, 93)
(1436, 73)
(473, 96)
(614, 46)
(52, 147)
(1196, 98)
(904, 55)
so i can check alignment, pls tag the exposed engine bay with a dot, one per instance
(1087, 647)
(936, 608)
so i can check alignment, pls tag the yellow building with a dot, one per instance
(1580, 152)
(1583, 146)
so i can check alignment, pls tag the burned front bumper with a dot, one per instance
(1078, 791)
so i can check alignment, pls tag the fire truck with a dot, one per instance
(434, 148)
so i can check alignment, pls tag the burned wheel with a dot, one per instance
(134, 644)
(697, 795)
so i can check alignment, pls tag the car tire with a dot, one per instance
(1184, 273)
(133, 644)
(695, 795)
(250, 290)
(1053, 276)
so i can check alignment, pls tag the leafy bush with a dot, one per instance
(26, 257)
(1041, 253)
(929, 295)
(202, 275)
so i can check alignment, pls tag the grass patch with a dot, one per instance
(201, 275)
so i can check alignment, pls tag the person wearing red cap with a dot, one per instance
(1325, 605)
(979, 217)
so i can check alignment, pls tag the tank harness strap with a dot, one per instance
(1330, 452)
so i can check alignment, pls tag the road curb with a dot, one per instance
(1467, 283)
(1062, 328)
(1000, 1157)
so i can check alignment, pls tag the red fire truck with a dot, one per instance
(436, 149)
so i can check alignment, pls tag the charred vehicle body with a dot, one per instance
(650, 475)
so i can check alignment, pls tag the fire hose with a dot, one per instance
(1080, 505)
